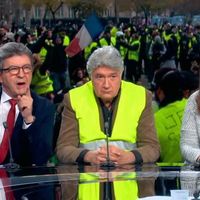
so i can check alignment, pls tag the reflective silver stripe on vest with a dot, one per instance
(98, 143)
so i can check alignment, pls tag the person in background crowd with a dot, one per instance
(156, 51)
(133, 71)
(3, 31)
(168, 118)
(120, 37)
(26, 119)
(56, 63)
(184, 48)
(41, 82)
(171, 44)
(106, 105)
(79, 77)
(158, 75)
(107, 39)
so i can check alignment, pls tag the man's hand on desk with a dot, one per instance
(116, 155)
(94, 157)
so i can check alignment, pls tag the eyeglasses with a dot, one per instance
(14, 70)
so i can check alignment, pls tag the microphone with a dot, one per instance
(196, 195)
(11, 164)
(108, 165)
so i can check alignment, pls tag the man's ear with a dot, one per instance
(160, 94)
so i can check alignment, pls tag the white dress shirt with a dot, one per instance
(4, 109)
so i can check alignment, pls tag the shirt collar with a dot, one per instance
(4, 97)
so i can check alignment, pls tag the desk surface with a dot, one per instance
(91, 182)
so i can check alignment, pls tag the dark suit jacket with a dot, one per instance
(34, 145)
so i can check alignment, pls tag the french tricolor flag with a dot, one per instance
(90, 30)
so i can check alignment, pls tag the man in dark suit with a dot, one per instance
(31, 135)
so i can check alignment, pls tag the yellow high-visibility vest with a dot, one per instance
(131, 104)
(168, 126)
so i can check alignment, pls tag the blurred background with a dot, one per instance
(23, 13)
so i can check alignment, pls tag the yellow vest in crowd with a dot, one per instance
(168, 122)
(66, 40)
(134, 55)
(103, 42)
(41, 84)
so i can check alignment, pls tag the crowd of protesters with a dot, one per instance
(144, 50)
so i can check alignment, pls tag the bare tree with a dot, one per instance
(51, 6)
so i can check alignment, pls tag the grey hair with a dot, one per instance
(105, 56)
(13, 48)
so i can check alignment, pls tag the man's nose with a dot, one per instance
(106, 82)
(21, 72)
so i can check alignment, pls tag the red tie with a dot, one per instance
(8, 131)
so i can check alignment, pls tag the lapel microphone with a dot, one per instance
(11, 164)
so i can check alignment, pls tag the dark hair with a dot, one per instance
(158, 77)
(172, 87)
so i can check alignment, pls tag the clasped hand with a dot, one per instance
(116, 155)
